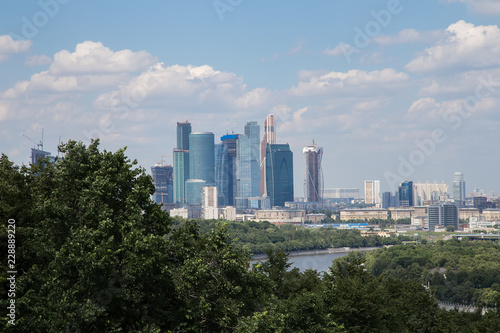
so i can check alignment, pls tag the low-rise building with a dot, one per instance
(281, 216)
(491, 215)
(400, 213)
(363, 214)
(315, 218)
(467, 213)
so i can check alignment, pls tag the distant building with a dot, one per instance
(389, 200)
(279, 174)
(363, 214)
(209, 203)
(372, 192)
(268, 138)
(225, 169)
(281, 216)
(459, 189)
(38, 154)
(313, 182)
(163, 181)
(405, 194)
(341, 193)
(430, 192)
(442, 215)
(248, 161)
(202, 157)
(181, 162)
(193, 191)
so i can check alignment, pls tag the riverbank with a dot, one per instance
(320, 252)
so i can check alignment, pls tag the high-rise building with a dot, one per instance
(225, 169)
(430, 192)
(405, 194)
(248, 162)
(202, 157)
(193, 191)
(163, 181)
(37, 154)
(372, 192)
(442, 214)
(209, 202)
(279, 174)
(181, 161)
(459, 189)
(313, 182)
(180, 174)
(268, 138)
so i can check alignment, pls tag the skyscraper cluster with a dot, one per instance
(241, 167)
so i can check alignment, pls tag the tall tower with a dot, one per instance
(225, 169)
(459, 188)
(279, 174)
(268, 138)
(406, 194)
(372, 192)
(162, 178)
(202, 157)
(248, 161)
(313, 182)
(181, 161)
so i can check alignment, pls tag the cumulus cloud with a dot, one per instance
(193, 85)
(341, 49)
(465, 46)
(335, 81)
(38, 60)
(9, 46)
(408, 36)
(484, 7)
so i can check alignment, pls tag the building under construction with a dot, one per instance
(313, 182)
(268, 138)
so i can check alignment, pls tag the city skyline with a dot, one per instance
(392, 90)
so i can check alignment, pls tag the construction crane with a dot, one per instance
(39, 145)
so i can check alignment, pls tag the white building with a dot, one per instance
(427, 192)
(372, 192)
(209, 202)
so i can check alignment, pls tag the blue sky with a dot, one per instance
(392, 90)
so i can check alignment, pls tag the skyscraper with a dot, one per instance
(406, 194)
(268, 138)
(163, 181)
(202, 157)
(459, 188)
(209, 202)
(248, 162)
(372, 192)
(313, 182)
(279, 174)
(181, 161)
(225, 169)
(443, 214)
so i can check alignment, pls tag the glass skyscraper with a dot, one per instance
(202, 157)
(162, 178)
(406, 194)
(225, 169)
(248, 161)
(181, 161)
(459, 188)
(279, 174)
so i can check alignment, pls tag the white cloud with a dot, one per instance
(341, 49)
(9, 46)
(484, 7)
(298, 47)
(408, 36)
(93, 57)
(38, 60)
(465, 46)
(336, 81)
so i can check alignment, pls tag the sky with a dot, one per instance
(392, 90)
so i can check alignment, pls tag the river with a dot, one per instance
(320, 260)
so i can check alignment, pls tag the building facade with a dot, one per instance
(209, 203)
(442, 215)
(430, 192)
(248, 161)
(269, 137)
(459, 189)
(225, 169)
(202, 157)
(405, 194)
(181, 161)
(313, 182)
(372, 192)
(279, 174)
(163, 181)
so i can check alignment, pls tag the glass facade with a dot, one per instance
(279, 174)
(180, 174)
(202, 157)
(163, 181)
(459, 188)
(225, 169)
(248, 161)
(193, 191)
(406, 194)
(183, 131)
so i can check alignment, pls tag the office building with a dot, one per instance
(372, 192)
(279, 174)
(405, 194)
(389, 200)
(202, 157)
(193, 191)
(163, 181)
(443, 215)
(225, 169)
(341, 193)
(459, 189)
(313, 182)
(248, 161)
(269, 137)
(181, 162)
(425, 193)
(209, 202)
